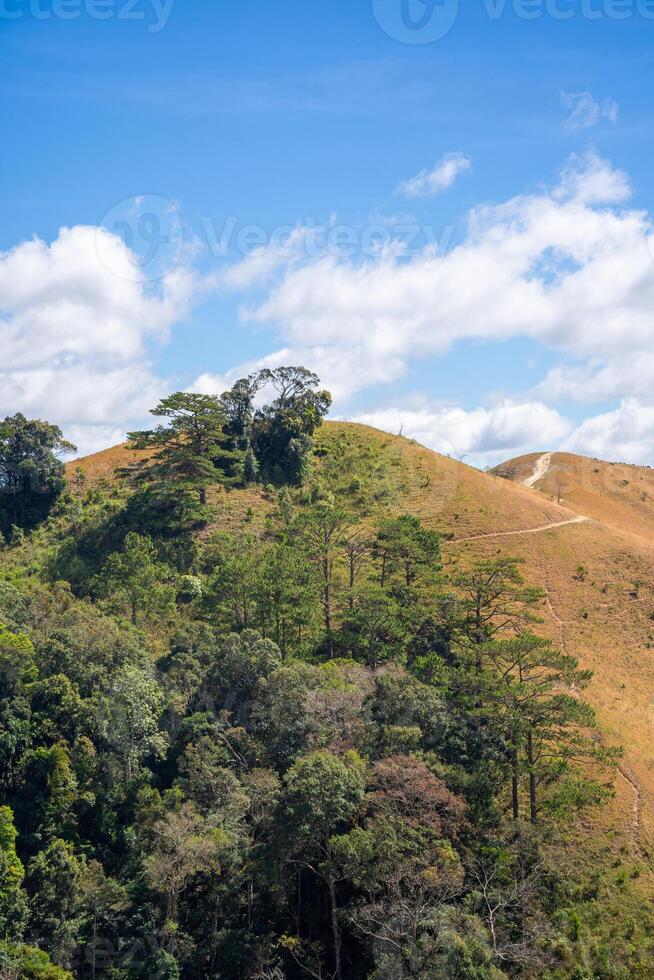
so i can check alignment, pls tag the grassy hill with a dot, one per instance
(593, 553)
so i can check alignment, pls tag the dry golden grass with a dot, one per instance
(105, 464)
(603, 614)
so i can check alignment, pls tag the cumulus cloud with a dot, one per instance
(342, 371)
(483, 435)
(625, 434)
(586, 111)
(570, 268)
(74, 332)
(597, 382)
(430, 182)
(488, 436)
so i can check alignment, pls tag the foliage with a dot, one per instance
(31, 473)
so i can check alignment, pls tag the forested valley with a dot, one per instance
(255, 723)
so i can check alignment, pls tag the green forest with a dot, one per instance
(255, 724)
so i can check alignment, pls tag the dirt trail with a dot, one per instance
(541, 469)
(624, 772)
(632, 780)
(529, 530)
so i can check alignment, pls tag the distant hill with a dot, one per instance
(617, 494)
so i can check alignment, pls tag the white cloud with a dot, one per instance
(596, 382)
(591, 180)
(430, 182)
(483, 436)
(625, 434)
(342, 371)
(74, 332)
(488, 436)
(569, 268)
(586, 111)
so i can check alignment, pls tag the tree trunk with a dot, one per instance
(203, 496)
(336, 933)
(327, 604)
(515, 787)
(533, 806)
(95, 943)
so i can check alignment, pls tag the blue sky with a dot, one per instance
(510, 158)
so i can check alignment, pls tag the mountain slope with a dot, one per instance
(593, 553)
(616, 494)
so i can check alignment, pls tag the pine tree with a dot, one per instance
(190, 453)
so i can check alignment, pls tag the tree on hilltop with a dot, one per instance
(186, 450)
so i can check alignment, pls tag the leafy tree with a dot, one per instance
(233, 561)
(323, 795)
(493, 598)
(13, 902)
(402, 865)
(184, 452)
(404, 546)
(31, 473)
(376, 630)
(283, 430)
(20, 960)
(286, 587)
(238, 404)
(105, 900)
(49, 791)
(322, 528)
(54, 882)
(356, 548)
(135, 574)
(17, 670)
(547, 726)
(184, 847)
(17, 666)
(129, 717)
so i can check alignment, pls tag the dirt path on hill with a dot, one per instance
(529, 530)
(541, 469)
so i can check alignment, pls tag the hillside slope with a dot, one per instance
(616, 494)
(593, 553)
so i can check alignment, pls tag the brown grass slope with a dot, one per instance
(616, 494)
(603, 613)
